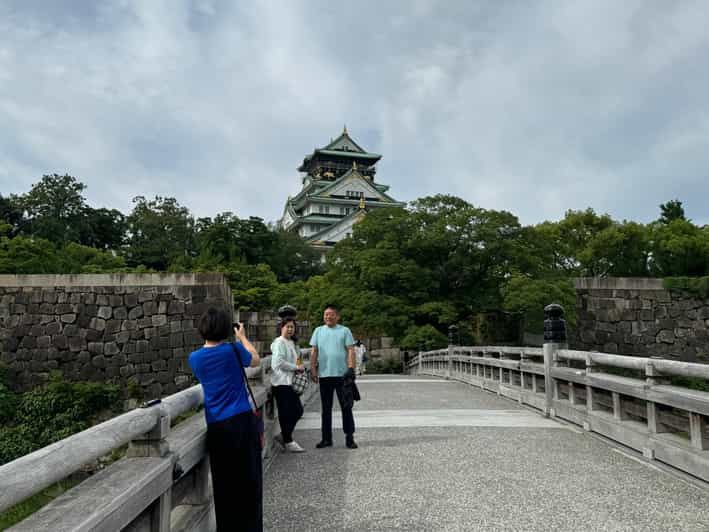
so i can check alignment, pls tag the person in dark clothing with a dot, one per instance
(233, 440)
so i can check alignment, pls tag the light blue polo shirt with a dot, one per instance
(332, 344)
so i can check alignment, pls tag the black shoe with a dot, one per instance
(350, 443)
(278, 438)
(324, 444)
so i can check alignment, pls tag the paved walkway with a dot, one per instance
(441, 455)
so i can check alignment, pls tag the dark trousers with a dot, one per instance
(290, 410)
(235, 462)
(327, 386)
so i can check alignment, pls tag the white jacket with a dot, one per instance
(284, 357)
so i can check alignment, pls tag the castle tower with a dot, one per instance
(338, 190)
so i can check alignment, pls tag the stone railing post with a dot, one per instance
(452, 332)
(654, 425)
(154, 443)
(554, 339)
(421, 350)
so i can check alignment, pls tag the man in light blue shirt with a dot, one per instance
(332, 356)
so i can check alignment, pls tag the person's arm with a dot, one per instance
(350, 357)
(240, 334)
(278, 358)
(314, 363)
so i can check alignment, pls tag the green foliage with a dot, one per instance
(530, 296)
(8, 399)
(21, 511)
(696, 286)
(425, 337)
(671, 211)
(54, 209)
(52, 412)
(24, 255)
(75, 258)
(679, 248)
(161, 230)
(386, 366)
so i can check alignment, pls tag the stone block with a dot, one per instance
(127, 370)
(95, 348)
(150, 332)
(60, 341)
(176, 307)
(92, 335)
(130, 300)
(111, 348)
(49, 296)
(74, 297)
(129, 325)
(159, 365)
(159, 320)
(164, 330)
(163, 377)
(102, 300)
(665, 336)
(135, 313)
(176, 340)
(113, 326)
(141, 346)
(91, 310)
(146, 294)
(150, 308)
(105, 312)
(115, 301)
(122, 337)
(44, 341)
(120, 313)
(77, 343)
(62, 308)
(162, 307)
(99, 361)
(89, 298)
(145, 322)
(28, 342)
(71, 330)
(46, 308)
(98, 324)
(36, 330)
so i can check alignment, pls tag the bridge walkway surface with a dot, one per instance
(436, 454)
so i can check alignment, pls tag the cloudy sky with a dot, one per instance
(529, 106)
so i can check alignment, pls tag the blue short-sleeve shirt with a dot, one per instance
(332, 344)
(219, 373)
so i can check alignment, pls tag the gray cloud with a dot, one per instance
(532, 107)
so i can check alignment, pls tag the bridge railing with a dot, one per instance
(160, 485)
(631, 400)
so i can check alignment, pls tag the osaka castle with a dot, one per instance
(338, 190)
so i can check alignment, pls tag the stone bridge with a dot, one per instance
(472, 438)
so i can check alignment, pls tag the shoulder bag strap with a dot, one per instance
(243, 374)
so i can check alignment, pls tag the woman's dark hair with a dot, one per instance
(286, 320)
(214, 325)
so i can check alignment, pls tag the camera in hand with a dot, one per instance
(236, 325)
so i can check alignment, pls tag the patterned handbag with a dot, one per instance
(301, 381)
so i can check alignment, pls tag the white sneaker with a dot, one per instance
(293, 447)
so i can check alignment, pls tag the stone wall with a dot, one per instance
(108, 327)
(637, 316)
(262, 329)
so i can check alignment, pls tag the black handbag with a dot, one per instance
(256, 412)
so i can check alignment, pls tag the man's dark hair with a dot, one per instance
(214, 325)
(333, 307)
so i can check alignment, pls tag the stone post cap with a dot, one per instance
(553, 311)
(287, 311)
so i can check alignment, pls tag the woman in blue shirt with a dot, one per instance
(232, 435)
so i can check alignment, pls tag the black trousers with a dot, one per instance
(328, 385)
(290, 410)
(237, 478)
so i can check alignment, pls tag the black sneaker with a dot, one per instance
(278, 438)
(350, 443)
(323, 444)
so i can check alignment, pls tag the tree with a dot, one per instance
(160, 231)
(103, 228)
(54, 209)
(530, 296)
(670, 211)
(11, 213)
(679, 248)
(621, 250)
(22, 255)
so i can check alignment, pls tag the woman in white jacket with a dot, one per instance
(285, 361)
